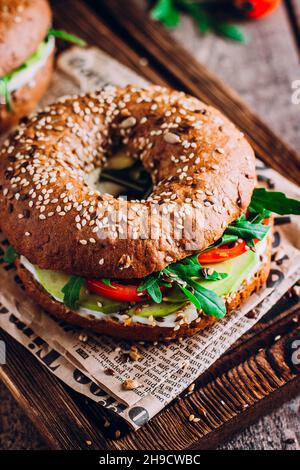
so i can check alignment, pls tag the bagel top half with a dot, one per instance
(49, 213)
(23, 26)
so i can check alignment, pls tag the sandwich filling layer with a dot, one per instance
(26, 73)
(239, 270)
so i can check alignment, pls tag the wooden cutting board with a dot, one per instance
(256, 375)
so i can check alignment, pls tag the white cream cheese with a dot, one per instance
(27, 76)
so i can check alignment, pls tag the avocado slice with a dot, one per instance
(53, 282)
(156, 310)
(237, 270)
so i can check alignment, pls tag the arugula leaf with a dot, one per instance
(190, 296)
(247, 230)
(155, 292)
(66, 37)
(168, 12)
(149, 281)
(10, 255)
(107, 282)
(210, 302)
(273, 201)
(224, 240)
(230, 31)
(152, 286)
(184, 270)
(199, 14)
(182, 274)
(251, 243)
(258, 218)
(72, 291)
(165, 12)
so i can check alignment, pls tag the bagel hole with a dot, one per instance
(122, 176)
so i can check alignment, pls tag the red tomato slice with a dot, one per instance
(223, 253)
(123, 292)
(228, 251)
(256, 8)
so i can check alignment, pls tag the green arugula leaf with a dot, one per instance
(72, 291)
(182, 274)
(199, 14)
(251, 243)
(10, 255)
(165, 12)
(230, 31)
(149, 281)
(210, 302)
(224, 240)
(258, 218)
(107, 282)
(246, 230)
(66, 37)
(190, 296)
(152, 284)
(273, 201)
(183, 271)
(155, 292)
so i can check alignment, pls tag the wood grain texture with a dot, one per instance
(243, 376)
(261, 72)
(74, 16)
(47, 403)
(192, 77)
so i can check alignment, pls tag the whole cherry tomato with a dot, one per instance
(256, 8)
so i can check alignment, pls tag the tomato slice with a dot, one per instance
(227, 251)
(117, 291)
(223, 253)
(256, 8)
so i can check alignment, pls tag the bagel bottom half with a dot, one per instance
(26, 98)
(137, 331)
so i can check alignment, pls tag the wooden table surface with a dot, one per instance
(262, 72)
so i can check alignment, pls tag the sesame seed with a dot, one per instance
(127, 123)
(171, 138)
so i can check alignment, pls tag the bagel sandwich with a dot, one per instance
(27, 47)
(155, 268)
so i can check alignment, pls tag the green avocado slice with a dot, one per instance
(53, 282)
(156, 310)
(237, 269)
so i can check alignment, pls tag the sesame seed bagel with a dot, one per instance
(50, 214)
(135, 331)
(23, 26)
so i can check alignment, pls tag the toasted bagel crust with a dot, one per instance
(195, 155)
(26, 98)
(23, 26)
(137, 331)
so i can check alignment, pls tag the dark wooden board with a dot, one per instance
(252, 378)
